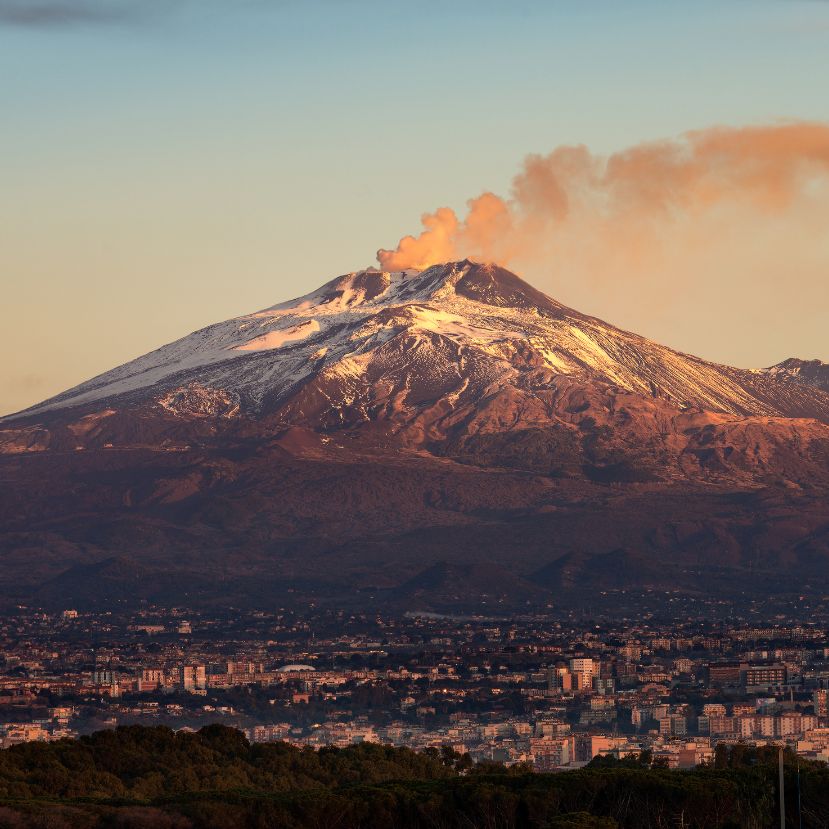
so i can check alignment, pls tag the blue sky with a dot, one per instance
(166, 165)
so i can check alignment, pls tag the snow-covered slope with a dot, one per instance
(810, 372)
(389, 426)
(449, 332)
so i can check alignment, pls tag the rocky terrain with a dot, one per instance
(442, 439)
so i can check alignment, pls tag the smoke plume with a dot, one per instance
(652, 206)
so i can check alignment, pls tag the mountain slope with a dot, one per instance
(810, 372)
(455, 327)
(392, 434)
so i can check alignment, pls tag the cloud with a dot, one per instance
(58, 14)
(63, 13)
(610, 217)
(714, 242)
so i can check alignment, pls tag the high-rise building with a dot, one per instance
(713, 709)
(563, 679)
(549, 753)
(151, 679)
(582, 664)
(193, 677)
(724, 673)
(106, 681)
(582, 669)
(764, 676)
(604, 686)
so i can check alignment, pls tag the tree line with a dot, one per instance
(140, 778)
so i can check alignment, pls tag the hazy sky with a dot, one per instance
(169, 164)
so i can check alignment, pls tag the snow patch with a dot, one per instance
(278, 338)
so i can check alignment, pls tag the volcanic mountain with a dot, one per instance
(444, 437)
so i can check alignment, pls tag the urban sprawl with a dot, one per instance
(549, 690)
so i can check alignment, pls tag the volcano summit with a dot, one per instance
(438, 439)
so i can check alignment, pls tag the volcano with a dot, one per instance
(449, 437)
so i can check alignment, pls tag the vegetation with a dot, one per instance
(154, 777)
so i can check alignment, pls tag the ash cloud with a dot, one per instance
(714, 243)
(654, 206)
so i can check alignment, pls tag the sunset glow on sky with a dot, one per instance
(170, 164)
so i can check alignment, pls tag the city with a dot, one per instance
(552, 691)
(414, 415)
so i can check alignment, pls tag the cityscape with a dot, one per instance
(550, 692)
(414, 415)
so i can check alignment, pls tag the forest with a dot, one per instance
(138, 777)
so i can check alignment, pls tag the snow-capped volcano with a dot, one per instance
(390, 432)
(371, 340)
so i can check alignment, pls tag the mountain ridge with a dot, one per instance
(257, 360)
(389, 435)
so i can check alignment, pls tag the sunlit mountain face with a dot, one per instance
(443, 437)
